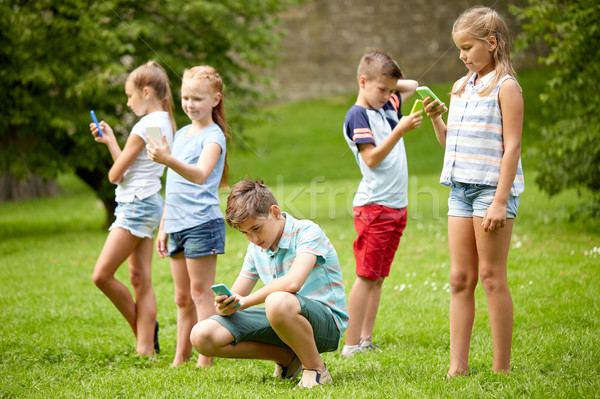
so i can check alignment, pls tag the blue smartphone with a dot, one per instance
(221, 289)
(96, 122)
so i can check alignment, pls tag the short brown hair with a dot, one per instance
(248, 199)
(377, 63)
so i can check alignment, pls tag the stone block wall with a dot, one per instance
(326, 39)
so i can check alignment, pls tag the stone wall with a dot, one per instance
(326, 39)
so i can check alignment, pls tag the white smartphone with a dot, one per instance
(155, 134)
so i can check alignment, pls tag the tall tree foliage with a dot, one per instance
(59, 59)
(571, 148)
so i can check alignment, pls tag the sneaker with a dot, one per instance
(156, 345)
(312, 378)
(290, 371)
(367, 344)
(350, 350)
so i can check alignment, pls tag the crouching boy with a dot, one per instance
(304, 312)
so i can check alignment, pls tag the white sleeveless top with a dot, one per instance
(474, 140)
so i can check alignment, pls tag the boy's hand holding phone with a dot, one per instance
(224, 303)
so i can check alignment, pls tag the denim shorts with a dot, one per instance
(468, 200)
(140, 217)
(252, 325)
(203, 240)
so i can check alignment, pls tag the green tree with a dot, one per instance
(59, 59)
(571, 145)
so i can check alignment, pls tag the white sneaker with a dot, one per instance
(351, 350)
(312, 378)
(290, 371)
(367, 344)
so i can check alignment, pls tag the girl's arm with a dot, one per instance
(125, 159)
(435, 112)
(195, 173)
(162, 238)
(122, 159)
(107, 138)
(406, 88)
(511, 105)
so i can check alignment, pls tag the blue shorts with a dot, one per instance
(140, 217)
(468, 200)
(196, 242)
(252, 325)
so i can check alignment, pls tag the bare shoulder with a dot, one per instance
(510, 86)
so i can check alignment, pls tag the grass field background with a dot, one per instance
(60, 337)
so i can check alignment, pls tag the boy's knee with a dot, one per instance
(281, 304)
(202, 338)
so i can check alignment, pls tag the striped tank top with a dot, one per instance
(474, 141)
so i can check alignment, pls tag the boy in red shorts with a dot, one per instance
(373, 129)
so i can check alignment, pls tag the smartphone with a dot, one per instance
(96, 122)
(221, 289)
(155, 134)
(418, 105)
(425, 91)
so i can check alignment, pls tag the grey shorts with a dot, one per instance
(252, 325)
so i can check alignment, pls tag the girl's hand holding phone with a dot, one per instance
(158, 153)
(107, 132)
(434, 108)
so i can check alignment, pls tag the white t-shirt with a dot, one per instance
(142, 179)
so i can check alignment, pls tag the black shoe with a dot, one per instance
(156, 345)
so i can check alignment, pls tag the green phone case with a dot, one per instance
(417, 106)
(425, 91)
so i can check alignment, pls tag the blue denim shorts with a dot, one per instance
(203, 240)
(252, 325)
(140, 217)
(468, 200)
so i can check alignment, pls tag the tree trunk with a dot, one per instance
(98, 181)
(13, 188)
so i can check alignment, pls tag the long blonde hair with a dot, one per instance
(151, 74)
(210, 74)
(481, 23)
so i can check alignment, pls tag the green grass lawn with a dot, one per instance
(60, 337)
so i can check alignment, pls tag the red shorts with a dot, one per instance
(379, 230)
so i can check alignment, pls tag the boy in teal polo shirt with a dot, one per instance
(304, 312)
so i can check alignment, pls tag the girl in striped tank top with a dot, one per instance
(482, 165)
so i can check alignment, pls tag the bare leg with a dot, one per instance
(493, 249)
(186, 310)
(118, 246)
(358, 300)
(283, 311)
(463, 280)
(202, 277)
(211, 339)
(372, 308)
(140, 275)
